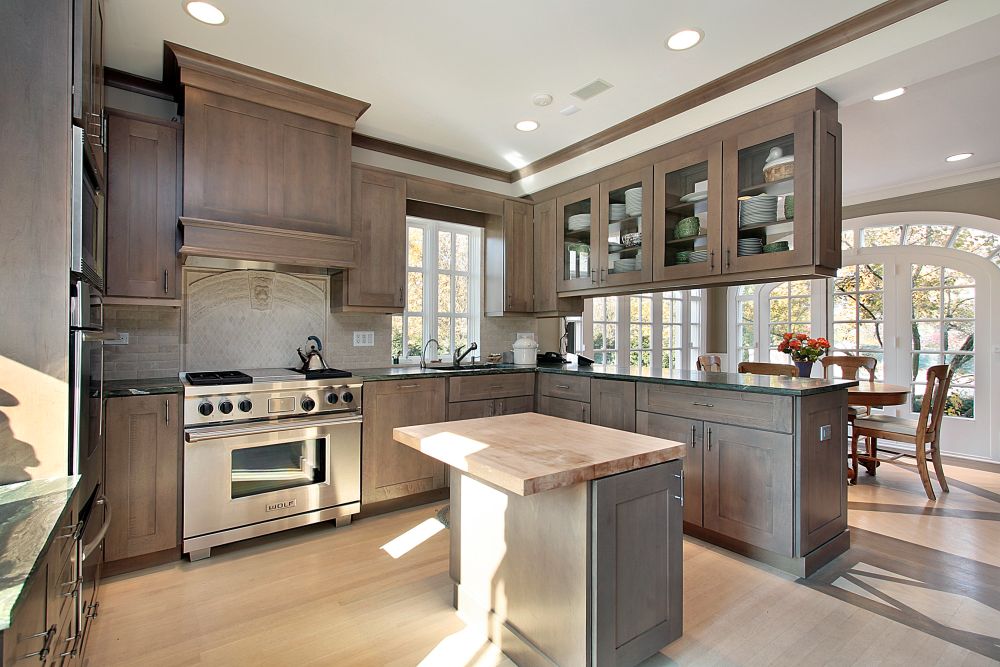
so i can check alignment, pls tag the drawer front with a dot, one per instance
(558, 385)
(564, 409)
(479, 387)
(398, 387)
(763, 411)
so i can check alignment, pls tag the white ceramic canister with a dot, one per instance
(525, 351)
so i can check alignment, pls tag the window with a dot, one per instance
(859, 311)
(644, 333)
(442, 289)
(943, 320)
(746, 338)
(789, 307)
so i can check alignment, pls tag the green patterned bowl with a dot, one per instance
(687, 227)
(779, 246)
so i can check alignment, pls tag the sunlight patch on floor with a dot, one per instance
(414, 537)
(467, 647)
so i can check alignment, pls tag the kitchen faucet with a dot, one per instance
(458, 358)
(423, 355)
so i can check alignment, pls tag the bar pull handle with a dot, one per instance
(402, 299)
(709, 439)
(727, 259)
(562, 386)
(681, 497)
(711, 260)
(593, 276)
(704, 405)
(164, 281)
(407, 386)
(166, 411)
(692, 436)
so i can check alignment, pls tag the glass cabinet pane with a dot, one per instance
(766, 198)
(686, 215)
(625, 229)
(578, 226)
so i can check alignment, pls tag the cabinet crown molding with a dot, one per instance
(184, 66)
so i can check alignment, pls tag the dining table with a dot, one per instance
(874, 394)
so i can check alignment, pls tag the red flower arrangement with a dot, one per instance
(802, 347)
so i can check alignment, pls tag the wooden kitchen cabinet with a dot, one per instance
(578, 238)
(475, 396)
(692, 433)
(143, 475)
(143, 206)
(510, 269)
(747, 492)
(378, 224)
(388, 469)
(29, 633)
(546, 267)
(626, 233)
(612, 404)
(564, 408)
(88, 81)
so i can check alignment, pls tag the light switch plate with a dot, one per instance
(825, 432)
(364, 338)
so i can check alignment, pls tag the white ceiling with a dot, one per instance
(453, 77)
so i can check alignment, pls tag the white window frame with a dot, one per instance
(691, 345)
(430, 271)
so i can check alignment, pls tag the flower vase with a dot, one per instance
(805, 368)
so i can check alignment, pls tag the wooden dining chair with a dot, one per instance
(761, 368)
(850, 366)
(711, 363)
(924, 432)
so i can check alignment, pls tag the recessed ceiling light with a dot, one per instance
(542, 100)
(958, 157)
(205, 12)
(684, 39)
(889, 94)
(526, 125)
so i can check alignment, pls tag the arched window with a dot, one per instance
(907, 294)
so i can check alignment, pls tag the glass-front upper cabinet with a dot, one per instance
(688, 215)
(579, 220)
(770, 171)
(624, 239)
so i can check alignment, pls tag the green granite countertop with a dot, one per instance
(761, 384)
(29, 513)
(142, 387)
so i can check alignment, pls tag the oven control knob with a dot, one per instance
(226, 406)
(347, 397)
(246, 405)
(332, 398)
(308, 404)
(206, 409)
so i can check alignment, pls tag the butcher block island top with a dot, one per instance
(529, 453)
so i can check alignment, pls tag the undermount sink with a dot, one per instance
(464, 367)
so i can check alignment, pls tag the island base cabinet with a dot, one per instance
(747, 492)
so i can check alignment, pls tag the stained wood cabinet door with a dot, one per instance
(691, 432)
(88, 80)
(26, 634)
(626, 230)
(471, 410)
(142, 476)
(546, 265)
(514, 405)
(143, 205)
(638, 563)
(564, 408)
(612, 404)
(378, 223)
(747, 491)
(389, 469)
(250, 163)
(510, 243)
(578, 233)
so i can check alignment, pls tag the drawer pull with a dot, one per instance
(704, 405)
(496, 386)
(407, 386)
(562, 386)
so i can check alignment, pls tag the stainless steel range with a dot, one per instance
(268, 449)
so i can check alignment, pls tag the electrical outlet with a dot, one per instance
(121, 340)
(364, 338)
(825, 432)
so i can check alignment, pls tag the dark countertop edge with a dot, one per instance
(142, 387)
(722, 381)
(5, 621)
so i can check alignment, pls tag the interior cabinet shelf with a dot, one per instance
(759, 188)
(762, 225)
(686, 239)
(681, 208)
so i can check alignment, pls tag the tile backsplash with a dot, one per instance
(250, 319)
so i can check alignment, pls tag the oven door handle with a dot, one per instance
(89, 547)
(215, 433)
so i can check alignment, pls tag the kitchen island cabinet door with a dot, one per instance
(563, 408)
(142, 479)
(143, 205)
(388, 469)
(612, 404)
(692, 433)
(747, 491)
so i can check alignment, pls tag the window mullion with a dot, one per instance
(622, 353)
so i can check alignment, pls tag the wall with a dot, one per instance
(154, 343)
(34, 238)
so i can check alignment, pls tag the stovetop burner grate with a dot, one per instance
(211, 378)
(325, 374)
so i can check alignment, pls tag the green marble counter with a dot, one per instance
(142, 387)
(29, 513)
(761, 384)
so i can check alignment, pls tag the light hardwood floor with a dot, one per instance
(920, 586)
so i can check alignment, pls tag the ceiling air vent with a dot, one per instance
(592, 89)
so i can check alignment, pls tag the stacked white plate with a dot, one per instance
(749, 247)
(700, 242)
(617, 212)
(695, 196)
(698, 256)
(578, 222)
(759, 209)
(633, 201)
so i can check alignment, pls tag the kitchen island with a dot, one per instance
(565, 537)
